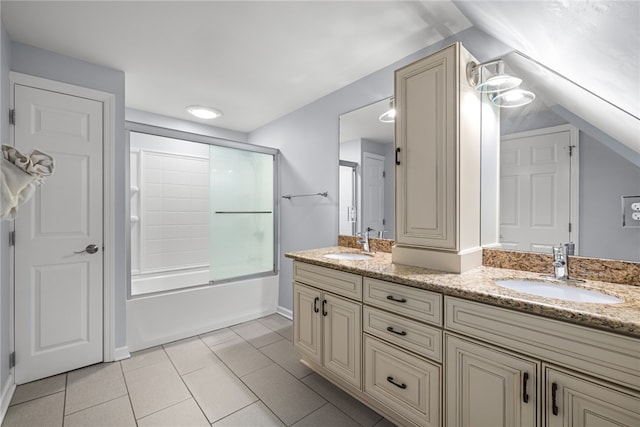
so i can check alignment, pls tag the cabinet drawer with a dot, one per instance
(414, 303)
(603, 354)
(340, 283)
(405, 383)
(417, 337)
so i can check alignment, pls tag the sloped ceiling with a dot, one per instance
(595, 43)
(260, 60)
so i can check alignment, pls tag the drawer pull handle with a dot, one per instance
(324, 313)
(554, 404)
(390, 329)
(402, 386)
(315, 305)
(525, 380)
(392, 298)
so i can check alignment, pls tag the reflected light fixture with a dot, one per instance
(203, 112)
(389, 116)
(513, 98)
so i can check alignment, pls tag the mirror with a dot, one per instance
(566, 161)
(603, 167)
(367, 197)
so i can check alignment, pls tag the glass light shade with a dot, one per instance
(388, 116)
(499, 83)
(513, 98)
(202, 112)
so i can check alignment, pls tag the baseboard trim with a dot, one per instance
(121, 353)
(8, 389)
(282, 311)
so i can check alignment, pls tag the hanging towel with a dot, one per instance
(19, 177)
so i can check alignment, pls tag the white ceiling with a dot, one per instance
(259, 60)
(256, 61)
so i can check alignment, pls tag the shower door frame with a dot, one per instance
(132, 126)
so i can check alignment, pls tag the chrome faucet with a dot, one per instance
(365, 240)
(560, 270)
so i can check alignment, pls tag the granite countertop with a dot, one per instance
(479, 285)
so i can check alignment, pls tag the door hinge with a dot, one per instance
(12, 360)
(383, 221)
(384, 174)
(569, 227)
(12, 117)
(571, 147)
(12, 238)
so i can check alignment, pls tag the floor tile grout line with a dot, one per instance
(310, 413)
(186, 386)
(229, 367)
(39, 397)
(64, 402)
(97, 404)
(126, 386)
(259, 399)
(243, 383)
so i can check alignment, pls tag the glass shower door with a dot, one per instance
(242, 213)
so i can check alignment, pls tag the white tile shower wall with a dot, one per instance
(174, 193)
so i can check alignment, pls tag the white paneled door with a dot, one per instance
(59, 237)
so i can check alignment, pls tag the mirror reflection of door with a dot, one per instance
(348, 216)
(538, 189)
(373, 192)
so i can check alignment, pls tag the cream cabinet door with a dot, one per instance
(573, 401)
(342, 338)
(426, 102)
(307, 322)
(489, 388)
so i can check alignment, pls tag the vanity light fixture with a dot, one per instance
(203, 112)
(494, 84)
(513, 98)
(389, 116)
(502, 88)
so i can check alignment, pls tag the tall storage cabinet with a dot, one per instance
(437, 163)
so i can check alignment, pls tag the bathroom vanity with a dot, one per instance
(428, 348)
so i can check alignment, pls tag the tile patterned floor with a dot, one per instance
(245, 375)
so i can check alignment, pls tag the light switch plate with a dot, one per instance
(629, 220)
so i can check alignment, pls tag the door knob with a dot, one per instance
(90, 249)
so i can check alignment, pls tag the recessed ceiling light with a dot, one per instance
(202, 112)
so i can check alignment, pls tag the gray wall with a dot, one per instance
(308, 140)
(5, 284)
(604, 177)
(42, 63)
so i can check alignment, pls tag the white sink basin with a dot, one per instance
(558, 291)
(347, 255)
